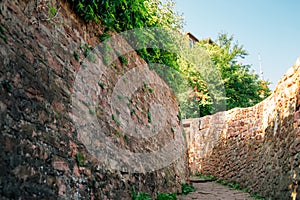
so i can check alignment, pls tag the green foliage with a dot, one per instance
(120, 97)
(76, 56)
(144, 88)
(80, 158)
(172, 130)
(104, 36)
(236, 186)
(2, 29)
(118, 133)
(101, 84)
(126, 138)
(186, 189)
(106, 51)
(207, 177)
(132, 112)
(106, 59)
(165, 196)
(243, 87)
(179, 116)
(149, 116)
(7, 85)
(222, 182)
(125, 15)
(116, 119)
(140, 195)
(123, 60)
(256, 196)
(2, 36)
(52, 12)
(92, 111)
(146, 196)
(87, 53)
(150, 90)
(189, 106)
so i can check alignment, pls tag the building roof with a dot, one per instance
(195, 39)
(192, 36)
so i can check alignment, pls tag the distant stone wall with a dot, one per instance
(42, 152)
(257, 147)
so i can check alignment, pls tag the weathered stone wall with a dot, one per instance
(42, 155)
(257, 147)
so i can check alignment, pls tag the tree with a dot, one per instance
(243, 87)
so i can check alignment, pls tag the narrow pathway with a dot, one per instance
(208, 190)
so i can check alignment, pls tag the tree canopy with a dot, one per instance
(243, 88)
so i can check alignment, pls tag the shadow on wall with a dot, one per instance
(257, 147)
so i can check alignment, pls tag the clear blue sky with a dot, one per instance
(270, 28)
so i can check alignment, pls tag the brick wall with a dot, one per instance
(43, 155)
(257, 147)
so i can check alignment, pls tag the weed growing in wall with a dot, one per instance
(76, 56)
(80, 158)
(149, 116)
(52, 12)
(116, 119)
(2, 36)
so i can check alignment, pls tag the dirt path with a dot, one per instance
(208, 190)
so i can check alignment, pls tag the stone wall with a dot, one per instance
(257, 147)
(43, 152)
